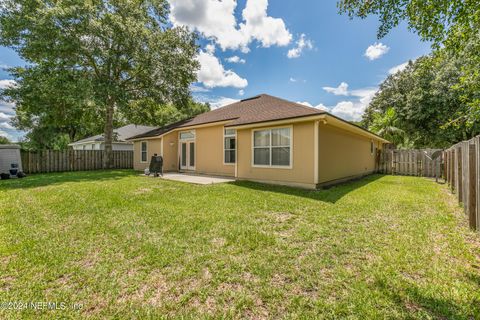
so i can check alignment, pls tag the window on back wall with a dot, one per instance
(272, 147)
(229, 145)
(372, 148)
(144, 151)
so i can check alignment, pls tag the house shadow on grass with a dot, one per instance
(411, 298)
(53, 178)
(331, 195)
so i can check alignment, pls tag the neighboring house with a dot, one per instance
(120, 139)
(264, 139)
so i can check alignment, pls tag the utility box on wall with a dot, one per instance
(10, 155)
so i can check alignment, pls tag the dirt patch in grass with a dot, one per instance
(142, 191)
(219, 242)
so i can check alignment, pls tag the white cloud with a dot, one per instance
(320, 106)
(6, 125)
(210, 48)
(4, 117)
(195, 88)
(353, 110)
(7, 107)
(302, 44)
(6, 135)
(365, 95)
(376, 50)
(212, 73)
(221, 102)
(215, 101)
(216, 20)
(235, 59)
(349, 110)
(241, 92)
(293, 79)
(341, 90)
(6, 83)
(398, 68)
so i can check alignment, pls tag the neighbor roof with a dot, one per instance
(122, 134)
(256, 109)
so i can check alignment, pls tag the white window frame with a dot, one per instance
(194, 140)
(146, 151)
(290, 166)
(187, 139)
(224, 149)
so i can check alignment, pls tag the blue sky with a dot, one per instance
(300, 50)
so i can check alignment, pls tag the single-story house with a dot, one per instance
(264, 139)
(120, 137)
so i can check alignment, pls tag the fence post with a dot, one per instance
(472, 197)
(453, 169)
(477, 182)
(459, 174)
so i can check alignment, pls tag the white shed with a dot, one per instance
(9, 153)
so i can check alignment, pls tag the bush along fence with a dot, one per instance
(72, 160)
(421, 163)
(462, 172)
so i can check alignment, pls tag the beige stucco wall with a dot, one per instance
(342, 154)
(302, 172)
(153, 146)
(208, 148)
(170, 152)
(209, 152)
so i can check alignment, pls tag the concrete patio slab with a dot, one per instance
(196, 179)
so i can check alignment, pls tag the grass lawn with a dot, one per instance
(123, 246)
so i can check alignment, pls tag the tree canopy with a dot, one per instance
(117, 57)
(423, 102)
(437, 98)
(4, 140)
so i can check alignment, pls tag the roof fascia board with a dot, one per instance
(334, 121)
(277, 122)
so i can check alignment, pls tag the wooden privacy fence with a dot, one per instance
(411, 162)
(72, 160)
(462, 172)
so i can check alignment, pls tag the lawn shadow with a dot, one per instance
(53, 178)
(413, 300)
(331, 195)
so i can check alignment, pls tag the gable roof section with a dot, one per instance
(256, 109)
(122, 134)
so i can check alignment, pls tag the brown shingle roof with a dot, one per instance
(260, 108)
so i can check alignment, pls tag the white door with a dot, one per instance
(187, 155)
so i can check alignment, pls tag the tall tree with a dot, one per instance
(433, 20)
(451, 25)
(125, 48)
(426, 105)
(53, 105)
(147, 111)
(4, 140)
(385, 125)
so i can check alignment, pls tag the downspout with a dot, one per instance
(315, 152)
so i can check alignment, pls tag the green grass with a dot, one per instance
(125, 246)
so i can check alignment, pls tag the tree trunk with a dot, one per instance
(108, 135)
